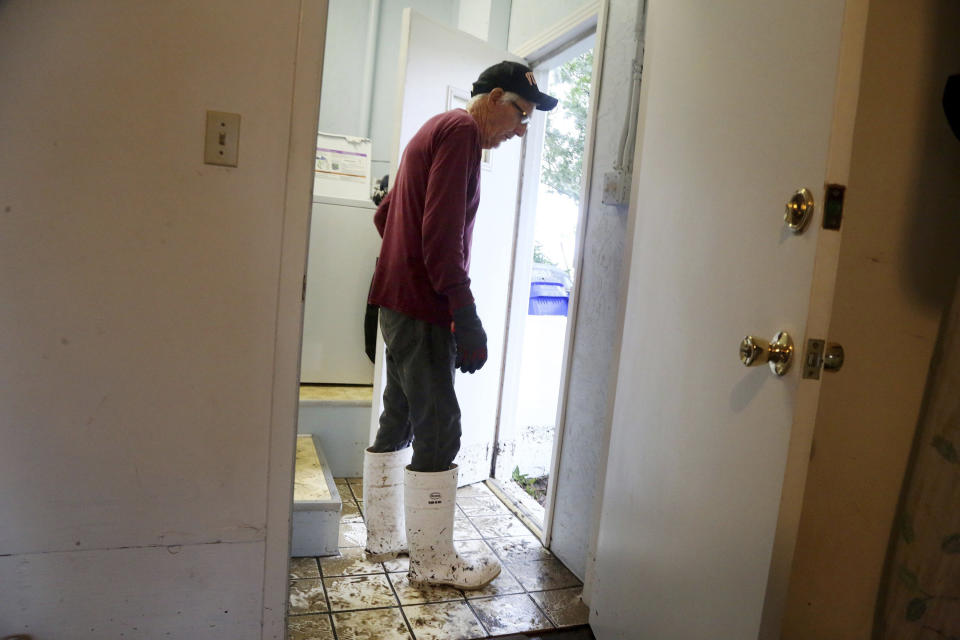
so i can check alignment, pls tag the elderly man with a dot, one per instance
(430, 325)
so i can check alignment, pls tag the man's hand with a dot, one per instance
(470, 338)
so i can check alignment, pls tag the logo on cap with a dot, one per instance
(530, 78)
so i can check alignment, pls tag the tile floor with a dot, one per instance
(347, 597)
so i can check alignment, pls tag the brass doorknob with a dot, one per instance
(752, 351)
(778, 353)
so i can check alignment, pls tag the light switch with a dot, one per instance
(222, 140)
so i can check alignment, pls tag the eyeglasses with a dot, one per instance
(524, 116)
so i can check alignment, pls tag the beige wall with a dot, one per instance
(139, 324)
(921, 562)
(897, 265)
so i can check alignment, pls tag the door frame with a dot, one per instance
(589, 20)
(298, 197)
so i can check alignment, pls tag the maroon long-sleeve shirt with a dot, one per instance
(426, 221)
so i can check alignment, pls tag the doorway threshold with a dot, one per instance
(520, 503)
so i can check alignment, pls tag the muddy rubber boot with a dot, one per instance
(430, 504)
(383, 501)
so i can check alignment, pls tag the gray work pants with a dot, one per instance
(419, 402)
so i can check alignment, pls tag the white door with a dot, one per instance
(742, 104)
(438, 65)
(343, 246)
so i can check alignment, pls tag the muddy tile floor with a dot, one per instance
(348, 597)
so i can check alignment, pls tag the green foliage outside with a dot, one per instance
(522, 479)
(563, 147)
(535, 487)
(539, 257)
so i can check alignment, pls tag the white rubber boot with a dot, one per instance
(383, 501)
(430, 500)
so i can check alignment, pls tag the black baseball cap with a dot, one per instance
(515, 77)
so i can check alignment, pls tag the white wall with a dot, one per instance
(139, 326)
(343, 61)
(898, 262)
(499, 32)
(345, 57)
(474, 18)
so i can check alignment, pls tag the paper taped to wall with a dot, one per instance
(342, 167)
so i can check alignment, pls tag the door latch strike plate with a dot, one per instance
(833, 206)
(813, 359)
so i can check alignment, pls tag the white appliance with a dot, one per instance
(344, 246)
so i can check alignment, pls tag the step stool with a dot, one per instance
(316, 503)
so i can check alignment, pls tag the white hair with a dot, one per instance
(508, 96)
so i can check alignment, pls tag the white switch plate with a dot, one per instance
(222, 140)
(616, 188)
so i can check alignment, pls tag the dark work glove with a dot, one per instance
(370, 319)
(471, 339)
(951, 103)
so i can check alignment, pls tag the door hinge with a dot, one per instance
(303, 290)
(821, 354)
